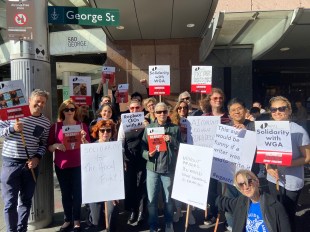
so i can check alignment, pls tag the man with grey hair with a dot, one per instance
(16, 176)
(186, 97)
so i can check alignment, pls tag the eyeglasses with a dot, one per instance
(69, 109)
(105, 130)
(134, 107)
(182, 108)
(217, 98)
(250, 181)
(162, 112)
(150, 105)
(185, 98)
(281, 109)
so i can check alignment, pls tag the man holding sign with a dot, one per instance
(290, 178)
(16, 178)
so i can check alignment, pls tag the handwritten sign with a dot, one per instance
(274, 145)
(132, 121)
(80, 89)
(201, 130)
(108, 74)
(122, 96)
(72, 136)
(102, 172)
(155, 138)
(192, 175)
(201, 79)
(13, 103)
(159, 79)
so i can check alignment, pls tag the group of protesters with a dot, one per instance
(147, 173)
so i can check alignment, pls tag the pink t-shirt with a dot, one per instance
(69, 158)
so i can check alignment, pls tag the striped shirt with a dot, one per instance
(35, 130)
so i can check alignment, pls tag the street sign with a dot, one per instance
(83, 16)
(20, 19)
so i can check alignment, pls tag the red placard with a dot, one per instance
(72, 141)
(201, 88)
(157, 142)
(160, 90)
(14, 112)
(82, 100)
(274, 157)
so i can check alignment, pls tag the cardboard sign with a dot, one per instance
(202, 129)
(201, 79)
(72, 136)
(159, 80)
(80, 89)
(122, 96)
(274, 144)
(192, 175)
(108, 75)
(13, 102)
(132, 121)
(102, 172)
(155, 138)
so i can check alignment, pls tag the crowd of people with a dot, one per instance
(150, 173)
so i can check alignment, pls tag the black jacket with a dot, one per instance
(275, 217)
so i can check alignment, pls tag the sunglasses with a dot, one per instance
(281, 109)
(134, 107)
(69, 109)
(217, 98)
(182, 108)
(105, 130)
(240, 185)
(185, 98)
(162, 112)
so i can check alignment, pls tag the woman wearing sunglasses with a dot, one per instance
(103, 131)
(291, 179)
(254, 210)
(160, 167)
(135, 172)
(68, 163)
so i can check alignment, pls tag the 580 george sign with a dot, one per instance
(83, 16)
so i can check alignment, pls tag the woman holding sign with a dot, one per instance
(65, 138)
(290, 178)
(103, 131)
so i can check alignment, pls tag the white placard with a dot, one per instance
(102, 172)
(201, 75)
(132, 121)
(159, 75)
(201, 130)
(80, 86)
(192, 175)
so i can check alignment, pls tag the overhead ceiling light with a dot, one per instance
(190, 25)
(120, 27)
(284, 49)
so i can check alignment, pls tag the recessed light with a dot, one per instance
(120, 27)
(284, 49)
(190, 25)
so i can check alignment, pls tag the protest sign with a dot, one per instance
(132, 121)
(155, 138)
(102, 172)
(201, 79)
(201, 130)
(13, 101)
(122, 96)
(108, 75)
(72, 136)
(192, 175)
(80, 89)
(159, 79)
(183, 129)
(274, 145)
(234, 149)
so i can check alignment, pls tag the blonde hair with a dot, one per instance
(148, 100)
(246, 174)
(281, 98)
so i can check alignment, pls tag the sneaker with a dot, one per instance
(228, 229)
(210, 220)
(169, 228)
(191, 219)
(177, 215)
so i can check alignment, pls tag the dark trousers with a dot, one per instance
(71, 192)
(212, 195)
(135, 189)
(289, 200)
(17, 182)
(96, 215)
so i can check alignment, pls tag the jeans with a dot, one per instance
(18, 187)
(71, 192)
(231, 192)
(153, 182)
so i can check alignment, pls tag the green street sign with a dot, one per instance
(83, 16)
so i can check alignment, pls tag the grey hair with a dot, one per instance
(161, 104)
(39, 92)
(183, 94)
